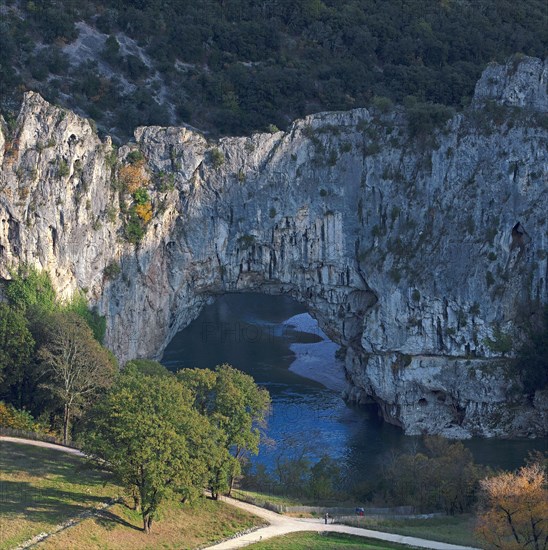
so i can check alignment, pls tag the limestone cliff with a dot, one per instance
(409, 251)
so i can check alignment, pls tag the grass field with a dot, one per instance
(329, 541)
(452, 529)
(180, 526)
(274, 499)
(289, 501)
(41, 488)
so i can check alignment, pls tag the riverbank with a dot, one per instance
(316, 361)
(273, 339)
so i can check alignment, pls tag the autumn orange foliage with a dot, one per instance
(144, 211)
(515, 509)
(134, 176)
(11, 151)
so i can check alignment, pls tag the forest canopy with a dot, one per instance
(236, 66)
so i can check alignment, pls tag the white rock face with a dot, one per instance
(408, 252)
(522, 84)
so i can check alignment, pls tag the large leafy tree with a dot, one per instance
(202, 384)
(324, 476)
(444, 476)
(242, 407)
(156, 443)
(31, 292)
(147, 367)
(514, 512)
(16, 347)
(453, 474)
(75, 367)
(235, 405)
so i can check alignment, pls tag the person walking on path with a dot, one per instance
(326, 517)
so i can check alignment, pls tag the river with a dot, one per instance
(273, 339)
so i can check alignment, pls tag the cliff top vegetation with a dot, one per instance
(237, 66)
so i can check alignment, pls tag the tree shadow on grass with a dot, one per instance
(109, 520)
(37, 461)
(42, 504)
(15, 457)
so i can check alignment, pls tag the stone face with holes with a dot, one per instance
(412, 253)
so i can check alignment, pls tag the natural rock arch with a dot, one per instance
(402, 250)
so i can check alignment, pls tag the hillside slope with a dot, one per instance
(237, 66)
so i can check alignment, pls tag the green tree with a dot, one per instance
(31, 292)
(16, 347)
(155, 442)
(15, 419)
(111, 51)
(500, 343)
(147, 367)
(324, 477)
(75, 366)
(293, 474)
(453, 476)
(217, 158)
(97, 323)
(201, 383)
(241, 409)
(443, 476)
(235, 405)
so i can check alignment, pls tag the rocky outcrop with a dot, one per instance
(522, 84)
(414, 254)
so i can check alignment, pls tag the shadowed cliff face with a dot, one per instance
(410, 252)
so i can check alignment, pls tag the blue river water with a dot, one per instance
(250, 332)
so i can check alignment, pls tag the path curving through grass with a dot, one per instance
(283, 525)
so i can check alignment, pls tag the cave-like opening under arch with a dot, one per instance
(277, 341)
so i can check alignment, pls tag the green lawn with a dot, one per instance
(328, 541)
(41, 488)
(180, 526)
(274, 499)
(452, 529)
(291, 501)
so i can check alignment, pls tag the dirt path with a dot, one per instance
(282, 525)
(53, 446)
